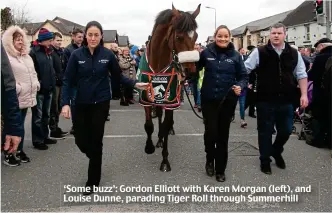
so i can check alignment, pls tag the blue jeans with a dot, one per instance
(40, 118)
(198, 98)
(193, 87)
(268, 115)
(73, 92)
(242, 102)
(20, 146)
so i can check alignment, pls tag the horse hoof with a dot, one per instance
(149, 149)
(160, 143)
(172, 132)
(165, 167)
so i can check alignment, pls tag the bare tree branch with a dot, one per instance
(21, 14)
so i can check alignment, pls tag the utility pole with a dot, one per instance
(328, 18)
(215, 16)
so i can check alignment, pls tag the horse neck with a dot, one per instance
(159, 52)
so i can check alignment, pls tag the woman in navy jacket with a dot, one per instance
(89, 67)
(224, 77)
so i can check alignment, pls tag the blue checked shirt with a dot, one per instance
(253, 61)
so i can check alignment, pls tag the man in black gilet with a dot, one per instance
(277, 64)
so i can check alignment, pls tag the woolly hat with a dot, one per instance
(44, 35)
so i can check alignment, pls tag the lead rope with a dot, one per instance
(193, 109)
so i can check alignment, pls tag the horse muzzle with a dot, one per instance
(188, 59)
(188, 56)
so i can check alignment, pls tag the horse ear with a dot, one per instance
(175, 11)
(198, 9)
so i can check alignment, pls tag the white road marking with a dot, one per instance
(180, 135)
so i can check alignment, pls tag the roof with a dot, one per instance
(110, 35)
(123, 41)
(65, 30)
(67, 23)
(64, 26)
(210, 38)
(302, 14)
(260, 24)
(31, 27)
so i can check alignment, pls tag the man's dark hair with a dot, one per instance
(57, 34)
(77, 30)
(240, 49)
(278, 25)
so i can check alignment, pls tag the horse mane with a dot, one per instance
(184, 23)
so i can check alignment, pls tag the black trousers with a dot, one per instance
(126, 93)
(55, 109)
(89, 127)
(217, 119)
(251, 101)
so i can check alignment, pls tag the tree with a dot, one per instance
(21, 15)
(7, 18)
(14, 15)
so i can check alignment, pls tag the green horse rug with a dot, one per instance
(164, 87)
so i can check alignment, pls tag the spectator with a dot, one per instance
(58, 62)
(320, 98)
(41, 55)
(16, 44)
(127, 64)
(12, 126)
(77, 39)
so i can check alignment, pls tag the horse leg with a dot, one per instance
(159, 112)
(171, 131)
(167, 124)
(149, 128)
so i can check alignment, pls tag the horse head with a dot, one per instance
(173, 38)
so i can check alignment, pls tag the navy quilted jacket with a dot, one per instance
(90, 74)
(223, 69)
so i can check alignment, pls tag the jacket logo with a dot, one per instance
(103, 61)
(229, 61)
(211, 59)
(81, 62)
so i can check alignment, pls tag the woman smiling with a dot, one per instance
(224, 78)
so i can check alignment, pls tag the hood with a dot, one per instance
(7, 40)
(133, 50)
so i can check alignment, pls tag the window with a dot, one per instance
(307, 32)
(249, 40)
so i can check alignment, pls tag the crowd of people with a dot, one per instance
(38, 69)
(79, 81)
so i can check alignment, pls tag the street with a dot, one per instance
(39, 185)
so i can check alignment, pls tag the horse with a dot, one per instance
(173, 39)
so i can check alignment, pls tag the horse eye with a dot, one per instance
(178, 38)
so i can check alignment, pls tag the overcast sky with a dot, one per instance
(135, 18)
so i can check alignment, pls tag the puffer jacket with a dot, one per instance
(127, 68)
(222, 70)
(27, 83)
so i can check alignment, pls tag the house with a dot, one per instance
(255, 32)
(302, 27)
(58, 24)
(123, 41)
(65, 27)
(209, 39)
(110, 36)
